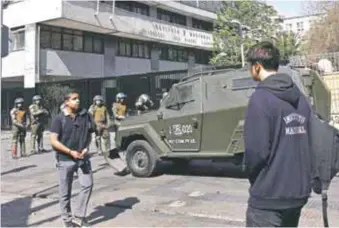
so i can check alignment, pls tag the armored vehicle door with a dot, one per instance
(181, 117)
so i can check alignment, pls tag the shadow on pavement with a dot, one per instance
(16, 212)
(18, 169)
(110, 210)
(203, 168)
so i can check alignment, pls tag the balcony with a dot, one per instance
(127, 24)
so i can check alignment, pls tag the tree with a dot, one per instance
(53, 96)
(258, 15)
(289, 44)
(323, 35)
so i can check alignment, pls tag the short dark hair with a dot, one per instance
(69, 92)
(266, 54)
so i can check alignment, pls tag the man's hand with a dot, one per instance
(83, 153)
(75, 154)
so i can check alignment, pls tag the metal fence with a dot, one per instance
(326, 63)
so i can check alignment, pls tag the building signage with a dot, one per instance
(179, 35)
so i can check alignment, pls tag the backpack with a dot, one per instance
(324, 144)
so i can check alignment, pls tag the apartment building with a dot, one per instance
(299, 24)
(57, 40)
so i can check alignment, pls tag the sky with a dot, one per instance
(289, 8)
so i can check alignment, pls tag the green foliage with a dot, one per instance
(53, 96)
(256, 14)
(288, 44)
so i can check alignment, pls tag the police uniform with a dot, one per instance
(19, 126)
(119, 109)
(102, 120)
(38, 115)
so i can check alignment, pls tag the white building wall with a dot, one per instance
(31, 11)
(170, 65)
(74, 64)
(31, 74)
(12, 65)
(126, 66)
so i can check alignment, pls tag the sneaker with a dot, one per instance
(82, 222)
(69, 224)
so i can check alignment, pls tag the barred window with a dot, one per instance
(173, 53)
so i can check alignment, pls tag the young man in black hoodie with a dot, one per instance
(276, 143)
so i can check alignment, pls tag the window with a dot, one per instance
(179, 96)
(171, 17)
(133, 48)
(134, 7)
(70, 40)
(202, 57)
(17, 39)
(173, 53)
(300, 26)
(204, 25)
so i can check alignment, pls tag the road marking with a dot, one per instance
(177, 203)
(215, 217)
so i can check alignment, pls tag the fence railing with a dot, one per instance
(325, 63)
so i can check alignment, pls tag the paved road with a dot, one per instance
(206, 194)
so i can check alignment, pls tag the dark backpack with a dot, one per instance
(324, 144)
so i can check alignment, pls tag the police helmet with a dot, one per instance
(36, 97)
(98, 98)
(19, 100)
(120, 96)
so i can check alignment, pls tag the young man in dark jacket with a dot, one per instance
(70, 138)
(276, 143)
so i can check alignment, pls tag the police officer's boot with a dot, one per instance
(14, 151)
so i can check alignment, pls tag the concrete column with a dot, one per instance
(110, 48)
(31, 71)
(191, 62)
(153, 11)
(155, 58)
(189, 21)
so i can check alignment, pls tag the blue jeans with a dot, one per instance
(272, 218)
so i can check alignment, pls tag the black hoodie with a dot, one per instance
(276, 145)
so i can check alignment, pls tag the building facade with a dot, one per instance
(299, 24)
(58, 40)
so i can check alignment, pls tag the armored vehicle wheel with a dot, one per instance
(141, 158)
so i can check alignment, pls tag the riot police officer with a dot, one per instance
(38, 117)
(19, 127)
(143, 103)
(102, 120)
(119, 109)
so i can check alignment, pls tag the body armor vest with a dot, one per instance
(20, 116)
(121, 109)
(100, 114)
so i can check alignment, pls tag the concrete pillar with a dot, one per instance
(189, 21)
(191, 62)
(32, 50)
(110, 47)
(153, 11)
(155, 57)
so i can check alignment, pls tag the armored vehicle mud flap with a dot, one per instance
(115, 158)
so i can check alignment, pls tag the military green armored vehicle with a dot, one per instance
(202, 117)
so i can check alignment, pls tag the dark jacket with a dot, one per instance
(276, 137)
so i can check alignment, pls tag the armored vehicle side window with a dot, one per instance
(180, 96)
(243, 83)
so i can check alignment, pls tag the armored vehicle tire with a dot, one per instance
(141, 158)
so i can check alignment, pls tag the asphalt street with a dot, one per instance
(204, 194)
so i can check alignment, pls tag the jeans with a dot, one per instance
(272, 218)
(66, 171)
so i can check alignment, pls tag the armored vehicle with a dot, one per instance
(202, 117)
